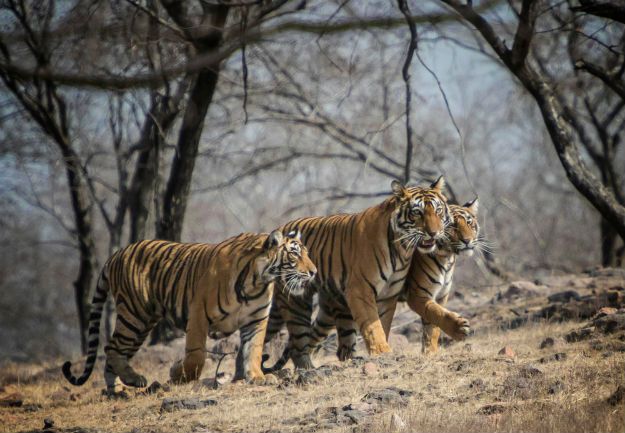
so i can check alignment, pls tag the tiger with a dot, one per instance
(430, 277)
(363, 259)
(201, 288)
(430, 280)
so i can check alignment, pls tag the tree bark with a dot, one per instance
(179, 183)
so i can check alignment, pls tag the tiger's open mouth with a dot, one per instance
(426, 245)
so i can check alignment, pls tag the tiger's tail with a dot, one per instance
(280, 363)
(93, 339)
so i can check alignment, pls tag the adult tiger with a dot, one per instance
(426, 289)
(201, 288)
(429, 282)
(363, 260)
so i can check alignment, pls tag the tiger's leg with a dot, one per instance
(190, 368)
(432, 333)
(249, 357)
(275, 318)
(362, 304)
(346, 331)
(322, 326)
(431, 312)
(386, 309)
(298, 314)
(129, 334)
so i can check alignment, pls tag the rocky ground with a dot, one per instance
(547, 355)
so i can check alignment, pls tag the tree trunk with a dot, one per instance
(176, 195)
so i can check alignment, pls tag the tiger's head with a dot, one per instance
(288, 261)
(465, 231)
(421, 215)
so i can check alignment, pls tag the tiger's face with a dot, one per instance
(464, 233)
(288, 262)
(421, 215)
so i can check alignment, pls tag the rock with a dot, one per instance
(518, 289)
(412, 332)
(564, 296)
(48, 423)
(529, 370)
(157, 386)
(610, 323)
(491, 409)
(605, 311)
(192, 403)
(580, 334)
(477, 384)
(547, 342)
(310, 377)
(618, 396)
(561, 356)
(507, 352)
(556, 387)
(15, 399)
(397, 424)
(285, 373)
(370, 369)
(398, 342)
(388, 396)
(32, 407)
(518, 387)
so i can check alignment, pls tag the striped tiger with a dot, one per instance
(363, 259)
(429, 282)
(429, 279)
(202, 289)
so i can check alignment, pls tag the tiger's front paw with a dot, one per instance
(457, 327)
(379, 348)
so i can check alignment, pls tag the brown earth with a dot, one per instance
(563, 370)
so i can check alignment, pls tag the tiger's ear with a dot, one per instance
(472, 206)
(438, 184)
(295, 234)
(274, 239)
(398, 189)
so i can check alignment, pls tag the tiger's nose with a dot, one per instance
(466, 241)
(312, 273)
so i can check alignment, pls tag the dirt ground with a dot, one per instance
(562, 369)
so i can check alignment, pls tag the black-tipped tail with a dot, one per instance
(93, 339)
(278, 365)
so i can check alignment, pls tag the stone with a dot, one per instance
(518, 289)
(605, 311)
(491, 409)
(507, 352)
(564, 296)
(32, 407)
(310, 377)
(48, 423)
(547, 342)
(556, 387)
(388, 396)
(370, 369)
(15, 399)
(397, 423)
(157, 386)
(610, 323)
(477, 384)
(580, 334)
(618, 396)
(412, 332)
(398, 342)
(529, 371)
(561, 356)
(192, 403)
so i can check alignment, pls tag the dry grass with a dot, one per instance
(442, 400)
